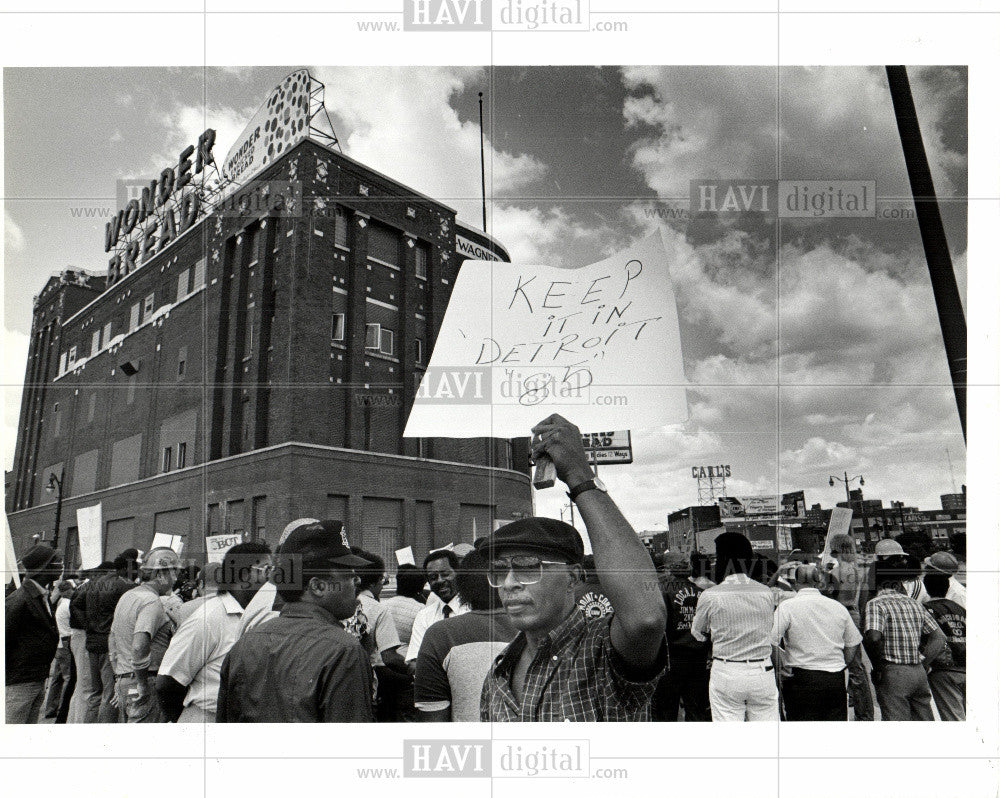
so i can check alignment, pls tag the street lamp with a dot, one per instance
(55, 486)
(847, 489)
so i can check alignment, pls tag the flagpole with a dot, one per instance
(482, 158)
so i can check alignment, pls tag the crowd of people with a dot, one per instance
(522, 626)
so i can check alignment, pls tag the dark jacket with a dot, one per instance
(78, 607)
(101, 600)
(301, 667)
(30, 634)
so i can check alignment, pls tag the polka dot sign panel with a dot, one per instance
(278, 125)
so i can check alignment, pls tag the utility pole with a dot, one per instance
(951, 316)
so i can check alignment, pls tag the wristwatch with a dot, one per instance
(583, 487)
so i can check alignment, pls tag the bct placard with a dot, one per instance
(599, 344)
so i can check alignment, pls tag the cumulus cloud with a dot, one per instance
(401, 122)
(13, 236)
(835, 123)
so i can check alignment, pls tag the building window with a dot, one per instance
(418, 350)
(182, 355)
(248, 343)
(91, 407)
(182, 454)
(167, 458)
(383, 244)
(130, 392)
(56, 420)
(107, 334)
(62, 363)
(338, 326)
(340, 228)
(421, 263)
(259, 520)
(95, 342)
(72, 356)
(182, 284)
(199, 275)
(372, 336)
(385, 342)
(133, 319)
(147, 307)
(234, 517)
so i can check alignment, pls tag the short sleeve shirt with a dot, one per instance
(454, 659)
(139, 610)
(902, 622)
(381, 626)
(199, 647)
(576, 675)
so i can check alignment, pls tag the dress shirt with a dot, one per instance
(62, 619)
(381, 626)
(428, 615)
(404, 611)
(738, 615)
(816, 630)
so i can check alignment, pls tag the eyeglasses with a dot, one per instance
(527, 570)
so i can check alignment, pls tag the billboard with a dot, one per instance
(607, 448)
(750, 506)
(279, 124)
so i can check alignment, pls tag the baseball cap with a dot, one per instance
(942, 562)
(161, 558)
(322, 542)
(544, 535)
(888, 547)
(291, 527)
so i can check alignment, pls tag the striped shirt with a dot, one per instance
(738, 615)
(576, 675)
(902, 621)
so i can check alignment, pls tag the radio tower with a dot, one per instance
(711, 488)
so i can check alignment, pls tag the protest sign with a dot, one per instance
(88, 530)
(10, 558)
(840, 524)
(161, 540)
(599, 345)
(216, 546)
(405, 556)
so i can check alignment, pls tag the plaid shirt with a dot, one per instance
(902, 622)
(575, 675)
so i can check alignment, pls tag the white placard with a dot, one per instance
(600, 345)
(405, 556)
(216, 546)
(9, 557)
(162, 540)
(840, 524)
(88, 530)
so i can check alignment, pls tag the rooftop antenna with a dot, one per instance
(318, 113)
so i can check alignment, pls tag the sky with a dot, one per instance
(812, 346)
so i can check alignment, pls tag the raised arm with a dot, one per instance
(625, 571)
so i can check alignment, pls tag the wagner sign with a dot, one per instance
(281, 122)
(473, 251)
(165, 209)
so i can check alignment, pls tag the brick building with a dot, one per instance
(260, 368)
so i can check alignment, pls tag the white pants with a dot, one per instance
(742, 691)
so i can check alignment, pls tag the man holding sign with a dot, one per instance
(562, 666)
